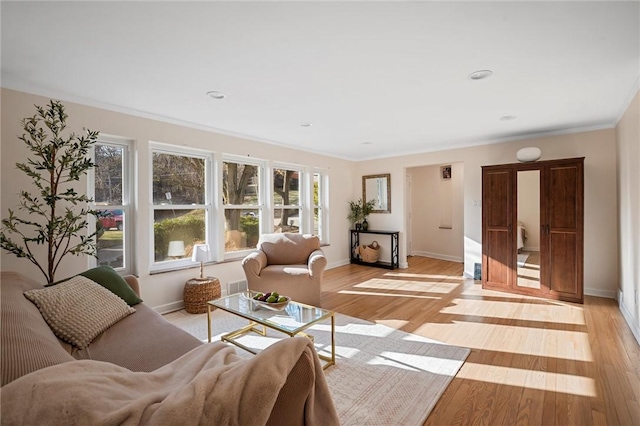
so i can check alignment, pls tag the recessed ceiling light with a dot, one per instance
(479, 75)
(305, 124)
(216, 95)
(508, 118)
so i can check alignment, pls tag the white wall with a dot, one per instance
(529, 207)
(598, 148)
(159, 290)
(431, 198)
(628, 151)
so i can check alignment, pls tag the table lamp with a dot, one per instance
(176, 249)
(201, 253)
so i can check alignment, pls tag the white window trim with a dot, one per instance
(323, 203)
(261, 206)
(128, 197)
(208, 206)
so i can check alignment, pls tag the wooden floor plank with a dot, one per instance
(533, 361)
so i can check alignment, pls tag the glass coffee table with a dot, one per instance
(292, 321)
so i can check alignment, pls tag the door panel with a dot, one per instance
(565, 198)
(497, 255)
(563, 275)
(498, 259)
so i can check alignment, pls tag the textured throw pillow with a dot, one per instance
(78, 310)
(108, 278)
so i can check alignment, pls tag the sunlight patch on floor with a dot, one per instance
(570, 345)
(555, 314)
(371, 293)
(395, 324)
(532, 379)
(426, 276)
(413, 362)
(405, 285)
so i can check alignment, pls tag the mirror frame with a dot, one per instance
(364, 190)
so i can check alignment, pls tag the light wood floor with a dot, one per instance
(533, 361)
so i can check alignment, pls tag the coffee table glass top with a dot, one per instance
(294, 318)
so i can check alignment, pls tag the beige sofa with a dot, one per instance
(291, 264)
(32, 356)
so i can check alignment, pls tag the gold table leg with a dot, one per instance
(209, 321)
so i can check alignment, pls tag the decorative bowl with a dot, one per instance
(276, 306)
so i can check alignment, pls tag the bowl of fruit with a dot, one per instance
(271, 300)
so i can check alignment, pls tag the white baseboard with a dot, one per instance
(437, 256)
(635, 328)
(608, 294)
(169, 307)
(338, 263)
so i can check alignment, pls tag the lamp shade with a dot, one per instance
(176, 248)
(201, 253)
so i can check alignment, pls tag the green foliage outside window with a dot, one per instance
(189, 228)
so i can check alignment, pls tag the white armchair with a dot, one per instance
(291, 264)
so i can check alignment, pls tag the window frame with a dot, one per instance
(208, 206)
(302, 205)
(323, 204)
(128, 197)
(263, 191)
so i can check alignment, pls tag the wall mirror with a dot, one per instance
(378, 188)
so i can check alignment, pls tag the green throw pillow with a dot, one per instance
(108, 278)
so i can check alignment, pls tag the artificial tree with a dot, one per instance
(57, 215)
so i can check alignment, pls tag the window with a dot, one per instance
(320, 216)
(242, 205)
(287, 207)
(111, 189)
(180, 204)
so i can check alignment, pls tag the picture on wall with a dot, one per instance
(446, 172)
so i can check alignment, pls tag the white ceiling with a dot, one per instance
(393, 75)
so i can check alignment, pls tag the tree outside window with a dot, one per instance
(179, 205)
(242, 207)
(286, 200)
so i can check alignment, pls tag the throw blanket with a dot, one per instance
(208, 385)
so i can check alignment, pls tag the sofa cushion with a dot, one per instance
(108, 278)
(288, 249)
(141, 342)
(27, 343)
(78, 310)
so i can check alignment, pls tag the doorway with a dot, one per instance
(435, 211)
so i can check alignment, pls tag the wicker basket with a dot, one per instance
(198, 292)
(370, 253)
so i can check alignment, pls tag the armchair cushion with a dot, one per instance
(288, 249)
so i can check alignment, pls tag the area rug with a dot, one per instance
(382, 376)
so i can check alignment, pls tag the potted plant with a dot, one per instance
(56, 215)
(367, 208)
(358, 212)
(355, 213)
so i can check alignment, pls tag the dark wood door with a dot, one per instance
(561, 228)
(497, 247)
(563, 231)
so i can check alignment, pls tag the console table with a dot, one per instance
(395, 253)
